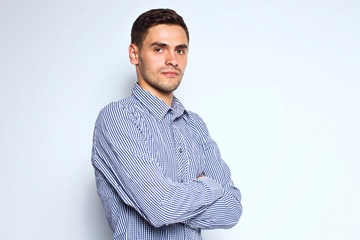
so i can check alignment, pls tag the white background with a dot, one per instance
(276, 81)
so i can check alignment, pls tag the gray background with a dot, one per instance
(276, 81)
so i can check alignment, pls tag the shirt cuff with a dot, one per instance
(214, 189)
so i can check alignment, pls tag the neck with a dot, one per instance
(166, 97)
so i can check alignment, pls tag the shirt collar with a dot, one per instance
(179, 109)
(156, 106)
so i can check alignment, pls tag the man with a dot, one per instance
(158, 172)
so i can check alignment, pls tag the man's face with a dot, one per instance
(162, 59)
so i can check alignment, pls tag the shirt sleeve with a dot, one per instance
(225, 212)
(121, 154)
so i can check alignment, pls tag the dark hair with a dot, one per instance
(152, 18)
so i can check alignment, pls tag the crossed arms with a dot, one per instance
(207, 202)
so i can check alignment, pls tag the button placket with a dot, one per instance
(181, 156)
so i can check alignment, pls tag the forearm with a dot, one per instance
(223, 213)
(179, 202)
(155, 197)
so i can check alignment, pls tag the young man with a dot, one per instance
(158, 172)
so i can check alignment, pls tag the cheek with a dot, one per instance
(156, 66)
(183, 62)
(149, 64)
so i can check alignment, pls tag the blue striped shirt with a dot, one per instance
(147, 157)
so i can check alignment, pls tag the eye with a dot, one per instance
(158, 50)
(180, 51)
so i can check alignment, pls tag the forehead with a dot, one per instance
(169, 34)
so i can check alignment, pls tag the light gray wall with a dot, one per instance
(276, 81)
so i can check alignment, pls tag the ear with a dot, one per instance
(134, 54)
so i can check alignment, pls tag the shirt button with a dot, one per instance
(180, 150)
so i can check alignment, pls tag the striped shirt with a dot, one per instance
(147, 157)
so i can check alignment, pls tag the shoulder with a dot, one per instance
(195, 118)
(198, 123)
(117, 112)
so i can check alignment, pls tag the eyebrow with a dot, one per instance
(182, 46)
(164, 45)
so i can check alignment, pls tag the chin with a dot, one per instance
(170, 87)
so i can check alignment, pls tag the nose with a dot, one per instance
(171, 60)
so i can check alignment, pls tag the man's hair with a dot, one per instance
(152, 18)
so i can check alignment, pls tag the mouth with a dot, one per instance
(170, 73)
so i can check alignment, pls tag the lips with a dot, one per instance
(170, 73)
